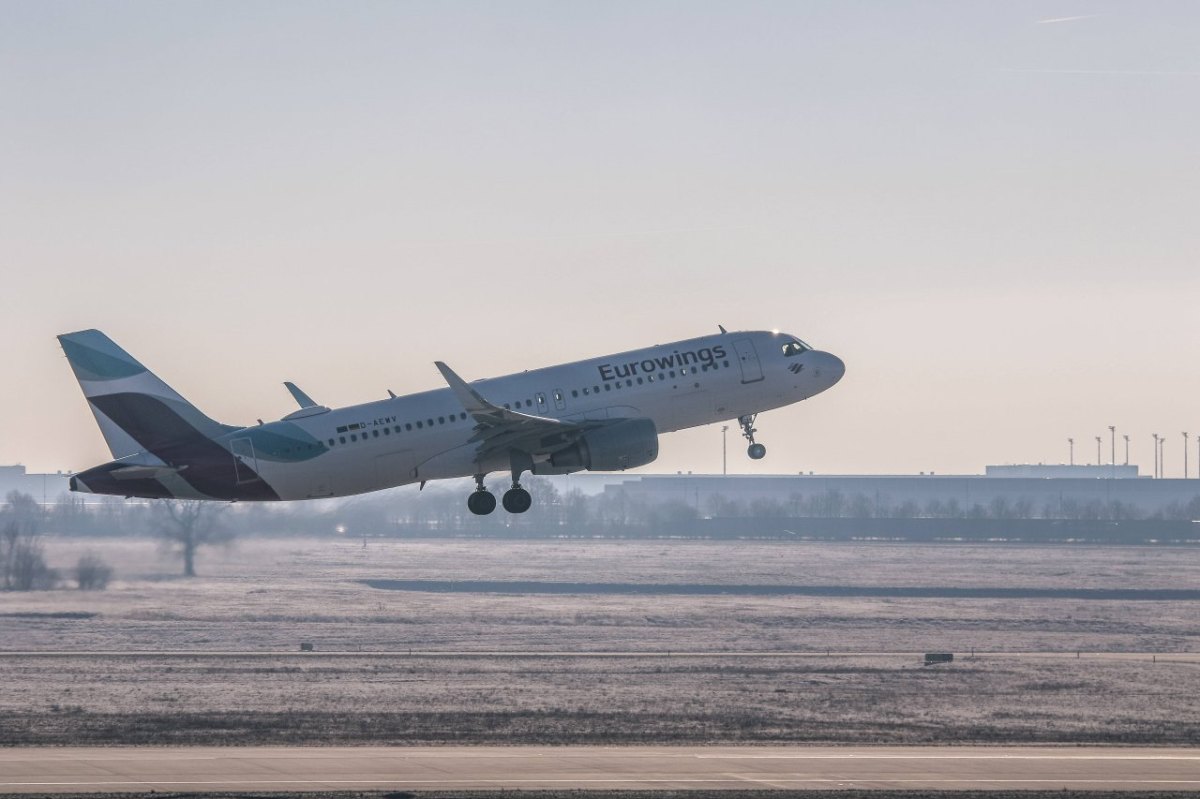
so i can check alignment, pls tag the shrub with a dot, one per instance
(92, 573)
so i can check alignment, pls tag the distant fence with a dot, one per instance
(998, 531)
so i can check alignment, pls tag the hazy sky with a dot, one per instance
(991, 211)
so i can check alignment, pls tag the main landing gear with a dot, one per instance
(481, 502)
(756, 451)
(515, 500)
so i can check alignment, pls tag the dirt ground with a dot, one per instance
(261, 599)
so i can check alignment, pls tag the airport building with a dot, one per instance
(1030, 491)
(45, 488)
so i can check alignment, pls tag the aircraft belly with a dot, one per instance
(456, 462)
(395, 468)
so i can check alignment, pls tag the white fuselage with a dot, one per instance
(427, 436)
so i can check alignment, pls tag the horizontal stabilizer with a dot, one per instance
(145, 472)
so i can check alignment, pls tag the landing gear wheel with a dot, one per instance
(756, 451)
(482, 502)
(517, 500)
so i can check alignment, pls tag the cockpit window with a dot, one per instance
(795, 347)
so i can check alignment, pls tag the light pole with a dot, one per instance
(1071, 443)
(1098, 442)
(1155, 455)
(1162, 457)
(1185, 455)
(724, 450)
(1126, 437)
(1112, 439)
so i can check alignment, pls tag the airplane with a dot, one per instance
(599, 414)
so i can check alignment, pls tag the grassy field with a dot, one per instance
(263, 598)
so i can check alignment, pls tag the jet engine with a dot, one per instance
(612, 448)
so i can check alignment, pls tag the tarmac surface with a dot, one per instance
(722, 589)
(468, 654)
(209, 769)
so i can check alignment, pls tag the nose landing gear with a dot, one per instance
(756, 451)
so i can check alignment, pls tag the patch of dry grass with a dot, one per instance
(266, 597)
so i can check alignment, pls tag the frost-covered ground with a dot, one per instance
(263, 598)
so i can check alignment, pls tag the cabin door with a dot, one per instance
(748, 360)
(245, 465)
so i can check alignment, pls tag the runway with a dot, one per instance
(523, 654)
(211, 769)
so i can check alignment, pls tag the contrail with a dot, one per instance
(1135, 72)
(1052, 20)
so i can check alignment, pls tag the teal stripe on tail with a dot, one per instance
(136, 411)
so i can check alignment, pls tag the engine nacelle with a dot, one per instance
(612, 448)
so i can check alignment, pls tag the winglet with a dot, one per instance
(301, 398)
(484, 412)
(469, 397)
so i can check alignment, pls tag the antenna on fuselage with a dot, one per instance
(722, 328)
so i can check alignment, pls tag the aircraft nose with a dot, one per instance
(829, 367)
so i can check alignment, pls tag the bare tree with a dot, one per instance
(22, 560)
(187, 525)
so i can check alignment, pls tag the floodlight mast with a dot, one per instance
(1185, 456)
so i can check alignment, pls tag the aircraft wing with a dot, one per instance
(502, 429)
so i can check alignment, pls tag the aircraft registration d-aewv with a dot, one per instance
(601, 414)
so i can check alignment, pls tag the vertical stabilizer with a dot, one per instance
(136, 411)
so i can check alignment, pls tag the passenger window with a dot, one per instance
(397, 428)
(419, 425)
(574, 392)
(441, 420)
(585, 391)
(408, 426)
(629, 381)
(608, 386)
(650, 378)
(639, 381)
(353, 437)
(342, 439)
(331, 442)
(375, 433)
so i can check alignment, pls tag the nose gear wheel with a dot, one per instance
(756, 451)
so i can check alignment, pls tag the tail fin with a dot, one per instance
(136, 411)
